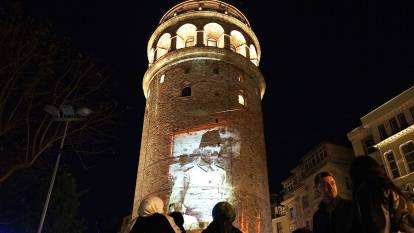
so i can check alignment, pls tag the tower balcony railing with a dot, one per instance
(224, 41)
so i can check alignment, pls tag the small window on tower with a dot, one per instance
(162, 78)
(242, 100)
(186, 91)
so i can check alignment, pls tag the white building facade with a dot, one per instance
(387, 134)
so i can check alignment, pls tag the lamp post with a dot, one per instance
(66, 114)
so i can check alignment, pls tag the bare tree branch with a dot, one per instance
(37, 70)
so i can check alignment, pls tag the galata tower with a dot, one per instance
(202, 139)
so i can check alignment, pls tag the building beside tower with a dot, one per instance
(202, 139)
(300, 197)
(387, 134)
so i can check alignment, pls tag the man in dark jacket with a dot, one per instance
(334, 214)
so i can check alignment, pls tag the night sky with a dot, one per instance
(326, 64)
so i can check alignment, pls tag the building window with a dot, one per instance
(407, 149)
(292, 213)
(402, 120)
(389, 156)
(382, 132)
(368, 144)
(394, 125)
(162, 78)
(242, 100)
(186, 91)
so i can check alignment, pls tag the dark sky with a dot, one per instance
(326, 64)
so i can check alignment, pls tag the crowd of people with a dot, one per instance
(378, 206)
(152, 218)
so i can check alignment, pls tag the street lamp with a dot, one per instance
(66, 114)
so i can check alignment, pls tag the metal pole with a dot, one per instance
(52, 182)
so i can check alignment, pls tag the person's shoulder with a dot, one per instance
(317, 213)
(344, 200)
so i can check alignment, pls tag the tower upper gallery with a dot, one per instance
(203, 28)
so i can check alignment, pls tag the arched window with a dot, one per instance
(186, 91)
(407, 150)
(238, 41)
(214, 35)
(186, 36)
(163, 45)
(253, 55)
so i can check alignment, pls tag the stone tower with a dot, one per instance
(202, 140)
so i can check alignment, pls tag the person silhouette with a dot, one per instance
(223, 218)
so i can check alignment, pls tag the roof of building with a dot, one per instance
(388, 106)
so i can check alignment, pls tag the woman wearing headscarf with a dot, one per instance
(151, 218)
(379, 205)
(223, 218)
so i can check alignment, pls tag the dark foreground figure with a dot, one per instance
(178, 219)
(223, 218)
(152, 219)
(379, 205)
(302, 230)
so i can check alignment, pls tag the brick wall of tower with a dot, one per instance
(214, 102)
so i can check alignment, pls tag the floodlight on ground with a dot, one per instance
(52, 110)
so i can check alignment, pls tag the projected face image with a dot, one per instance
(199, 173)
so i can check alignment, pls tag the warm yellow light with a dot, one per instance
(394, 137)
(241, 100)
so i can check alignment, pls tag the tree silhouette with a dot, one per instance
(36, 69)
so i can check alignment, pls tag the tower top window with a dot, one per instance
(214, 35)
(186, 35)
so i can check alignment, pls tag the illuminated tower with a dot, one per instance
(202, 140)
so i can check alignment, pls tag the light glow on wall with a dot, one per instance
(200, 173)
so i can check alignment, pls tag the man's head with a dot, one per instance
(326, 186)
(210, 146)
